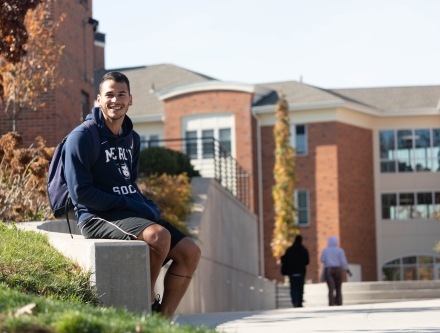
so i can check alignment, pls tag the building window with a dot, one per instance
(298, 139)
(143, 141)
(409, 205)
(191, 144)
(208, 143)
(224, 136)
(410, 268)
(154, 141)
(302, 207)
(208, 130)
(85, 107)
(409, 150)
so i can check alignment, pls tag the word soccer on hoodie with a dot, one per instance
(109, 184)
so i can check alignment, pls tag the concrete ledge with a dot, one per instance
(120, 269)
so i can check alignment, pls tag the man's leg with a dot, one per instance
(185, 255)
(338, 286)
(158, 239)
(331, 285)
(301, 290)
(292, 290)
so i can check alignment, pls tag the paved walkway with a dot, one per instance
(415, 316)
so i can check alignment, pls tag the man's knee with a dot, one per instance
(187, 253)
(157, 238)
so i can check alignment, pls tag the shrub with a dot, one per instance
(23, 179)
(172, 193)
(23, 192)
(159, 160)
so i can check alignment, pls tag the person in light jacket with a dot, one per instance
(334, 260)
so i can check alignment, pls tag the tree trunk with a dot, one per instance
(14, 114)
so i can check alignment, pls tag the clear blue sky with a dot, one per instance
(330, 43)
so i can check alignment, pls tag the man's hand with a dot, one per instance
(349, 273)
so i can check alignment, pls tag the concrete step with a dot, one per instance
(358, 286)
(412, 294)
(286, 305)
(364, 292)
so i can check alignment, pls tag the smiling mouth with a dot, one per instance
(115, 108)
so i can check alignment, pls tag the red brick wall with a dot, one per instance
(63, 105)
(205, 102)
(339, 178)
(356, 193)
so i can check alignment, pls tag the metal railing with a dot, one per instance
(210, 157)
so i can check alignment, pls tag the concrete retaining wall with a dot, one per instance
(227, 277)
(120, 269)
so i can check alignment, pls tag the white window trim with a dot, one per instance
(226, 118)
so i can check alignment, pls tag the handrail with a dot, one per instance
(213, 160)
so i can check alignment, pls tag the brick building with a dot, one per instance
(367, 161)
(67, 104)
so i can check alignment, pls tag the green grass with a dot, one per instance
(31, 271)
(29, 264)
(63, 317)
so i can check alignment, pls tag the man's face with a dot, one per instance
(114, 99)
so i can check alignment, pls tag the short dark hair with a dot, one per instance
(117, 77)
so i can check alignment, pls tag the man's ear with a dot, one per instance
(98, 98)
(130, 103)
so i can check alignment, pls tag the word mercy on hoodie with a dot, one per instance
(109, 184)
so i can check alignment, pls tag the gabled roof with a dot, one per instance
(296, 92)
(167, 78)
(159, 77)
(394, 98)
(386, 100)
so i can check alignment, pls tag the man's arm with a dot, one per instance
(78, 160)
(307, 261)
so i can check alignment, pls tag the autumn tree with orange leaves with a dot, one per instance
(13, 33)
(34, 74)
(285, 229)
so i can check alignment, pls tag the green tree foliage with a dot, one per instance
(159, 160)
(285, 228)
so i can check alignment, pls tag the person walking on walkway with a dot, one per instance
(334, 260)
(295, 261)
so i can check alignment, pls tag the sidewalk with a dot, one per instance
(415, 316)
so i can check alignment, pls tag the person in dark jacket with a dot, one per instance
(296, 259)
(108, 203)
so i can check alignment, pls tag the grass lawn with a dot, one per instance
(58, 293)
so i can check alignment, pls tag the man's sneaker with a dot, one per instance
(155, 307)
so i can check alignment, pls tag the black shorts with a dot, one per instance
(123, 225)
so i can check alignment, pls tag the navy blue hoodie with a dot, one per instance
(109, 184)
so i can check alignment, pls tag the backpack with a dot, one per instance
(57, 191)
